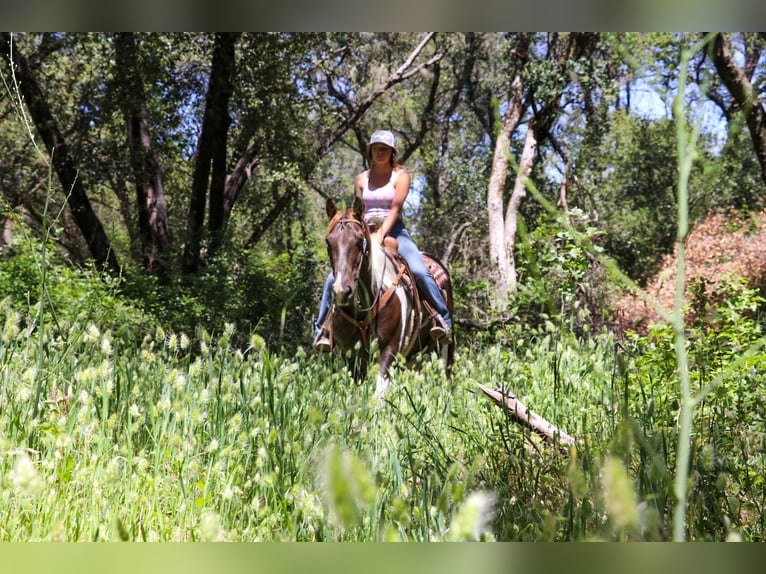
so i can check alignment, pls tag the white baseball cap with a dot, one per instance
(385, 137)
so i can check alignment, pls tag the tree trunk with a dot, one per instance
(224, 65)
(502, 230)
(740, 88)
(517, 197)
(147, 174)
(237, 179)
(498, 245)
(519, 413)
(77, 200)
(211, 152)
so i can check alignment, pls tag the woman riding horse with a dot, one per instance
(383, 189)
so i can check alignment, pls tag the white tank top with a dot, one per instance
(377, 201)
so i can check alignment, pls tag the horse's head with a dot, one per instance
(348, 244)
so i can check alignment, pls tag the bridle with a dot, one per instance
(381, 298)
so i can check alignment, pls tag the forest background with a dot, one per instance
(194, 167)
(183, 176)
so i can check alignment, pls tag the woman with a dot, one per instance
(383, 189)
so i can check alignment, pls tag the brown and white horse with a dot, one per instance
(375, 297)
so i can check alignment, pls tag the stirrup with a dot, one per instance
(440, 331)
(322, 342)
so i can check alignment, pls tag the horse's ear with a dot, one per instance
(358, 207)
(330, 208)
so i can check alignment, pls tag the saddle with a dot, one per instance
(408, 279)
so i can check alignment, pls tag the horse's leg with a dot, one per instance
(360, 362)
(386, 358)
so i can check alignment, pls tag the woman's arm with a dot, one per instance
(402, 187)
(359, 184)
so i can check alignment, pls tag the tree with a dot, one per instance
(500, 245)
(739, 83)
(538, 81)
(147, 174)
(36, 101)
(211, 153)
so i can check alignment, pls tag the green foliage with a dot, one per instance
(69, 296)
(730, 179)
(629, 188)
(729, 414)
(272, 296)
(558, 276)
(196, 415)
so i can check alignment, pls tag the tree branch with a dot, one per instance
(744, 95)
(520, 414)
(397, 77)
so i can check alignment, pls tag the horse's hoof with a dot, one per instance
(381, 389)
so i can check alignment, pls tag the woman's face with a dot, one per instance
(380, 153)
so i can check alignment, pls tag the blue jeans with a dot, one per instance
(425, 281)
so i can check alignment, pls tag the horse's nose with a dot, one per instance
(343, 294)
(343, 297)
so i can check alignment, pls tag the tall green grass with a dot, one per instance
(179, 441)
(184, 438)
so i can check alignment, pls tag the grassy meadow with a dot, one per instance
(106, 436)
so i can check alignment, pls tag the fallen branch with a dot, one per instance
(518, 411)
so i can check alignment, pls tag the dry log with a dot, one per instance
(518, 411)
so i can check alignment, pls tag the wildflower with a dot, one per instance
(257, 343)
(210, 527)
(234, 423)
(58, 534)
(179, 384)
(213, 446)
(228, 331)
(24, 393)
(163, 405)
(619, 496)
(135, 412)
(349, 486)
(11, 329)
(195, 367)
(91, 333)
(29, 375)
(141, 464)
(473, 519)
(25, 477)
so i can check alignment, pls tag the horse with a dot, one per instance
(375, 298)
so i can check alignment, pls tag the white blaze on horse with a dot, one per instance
(375, 297)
